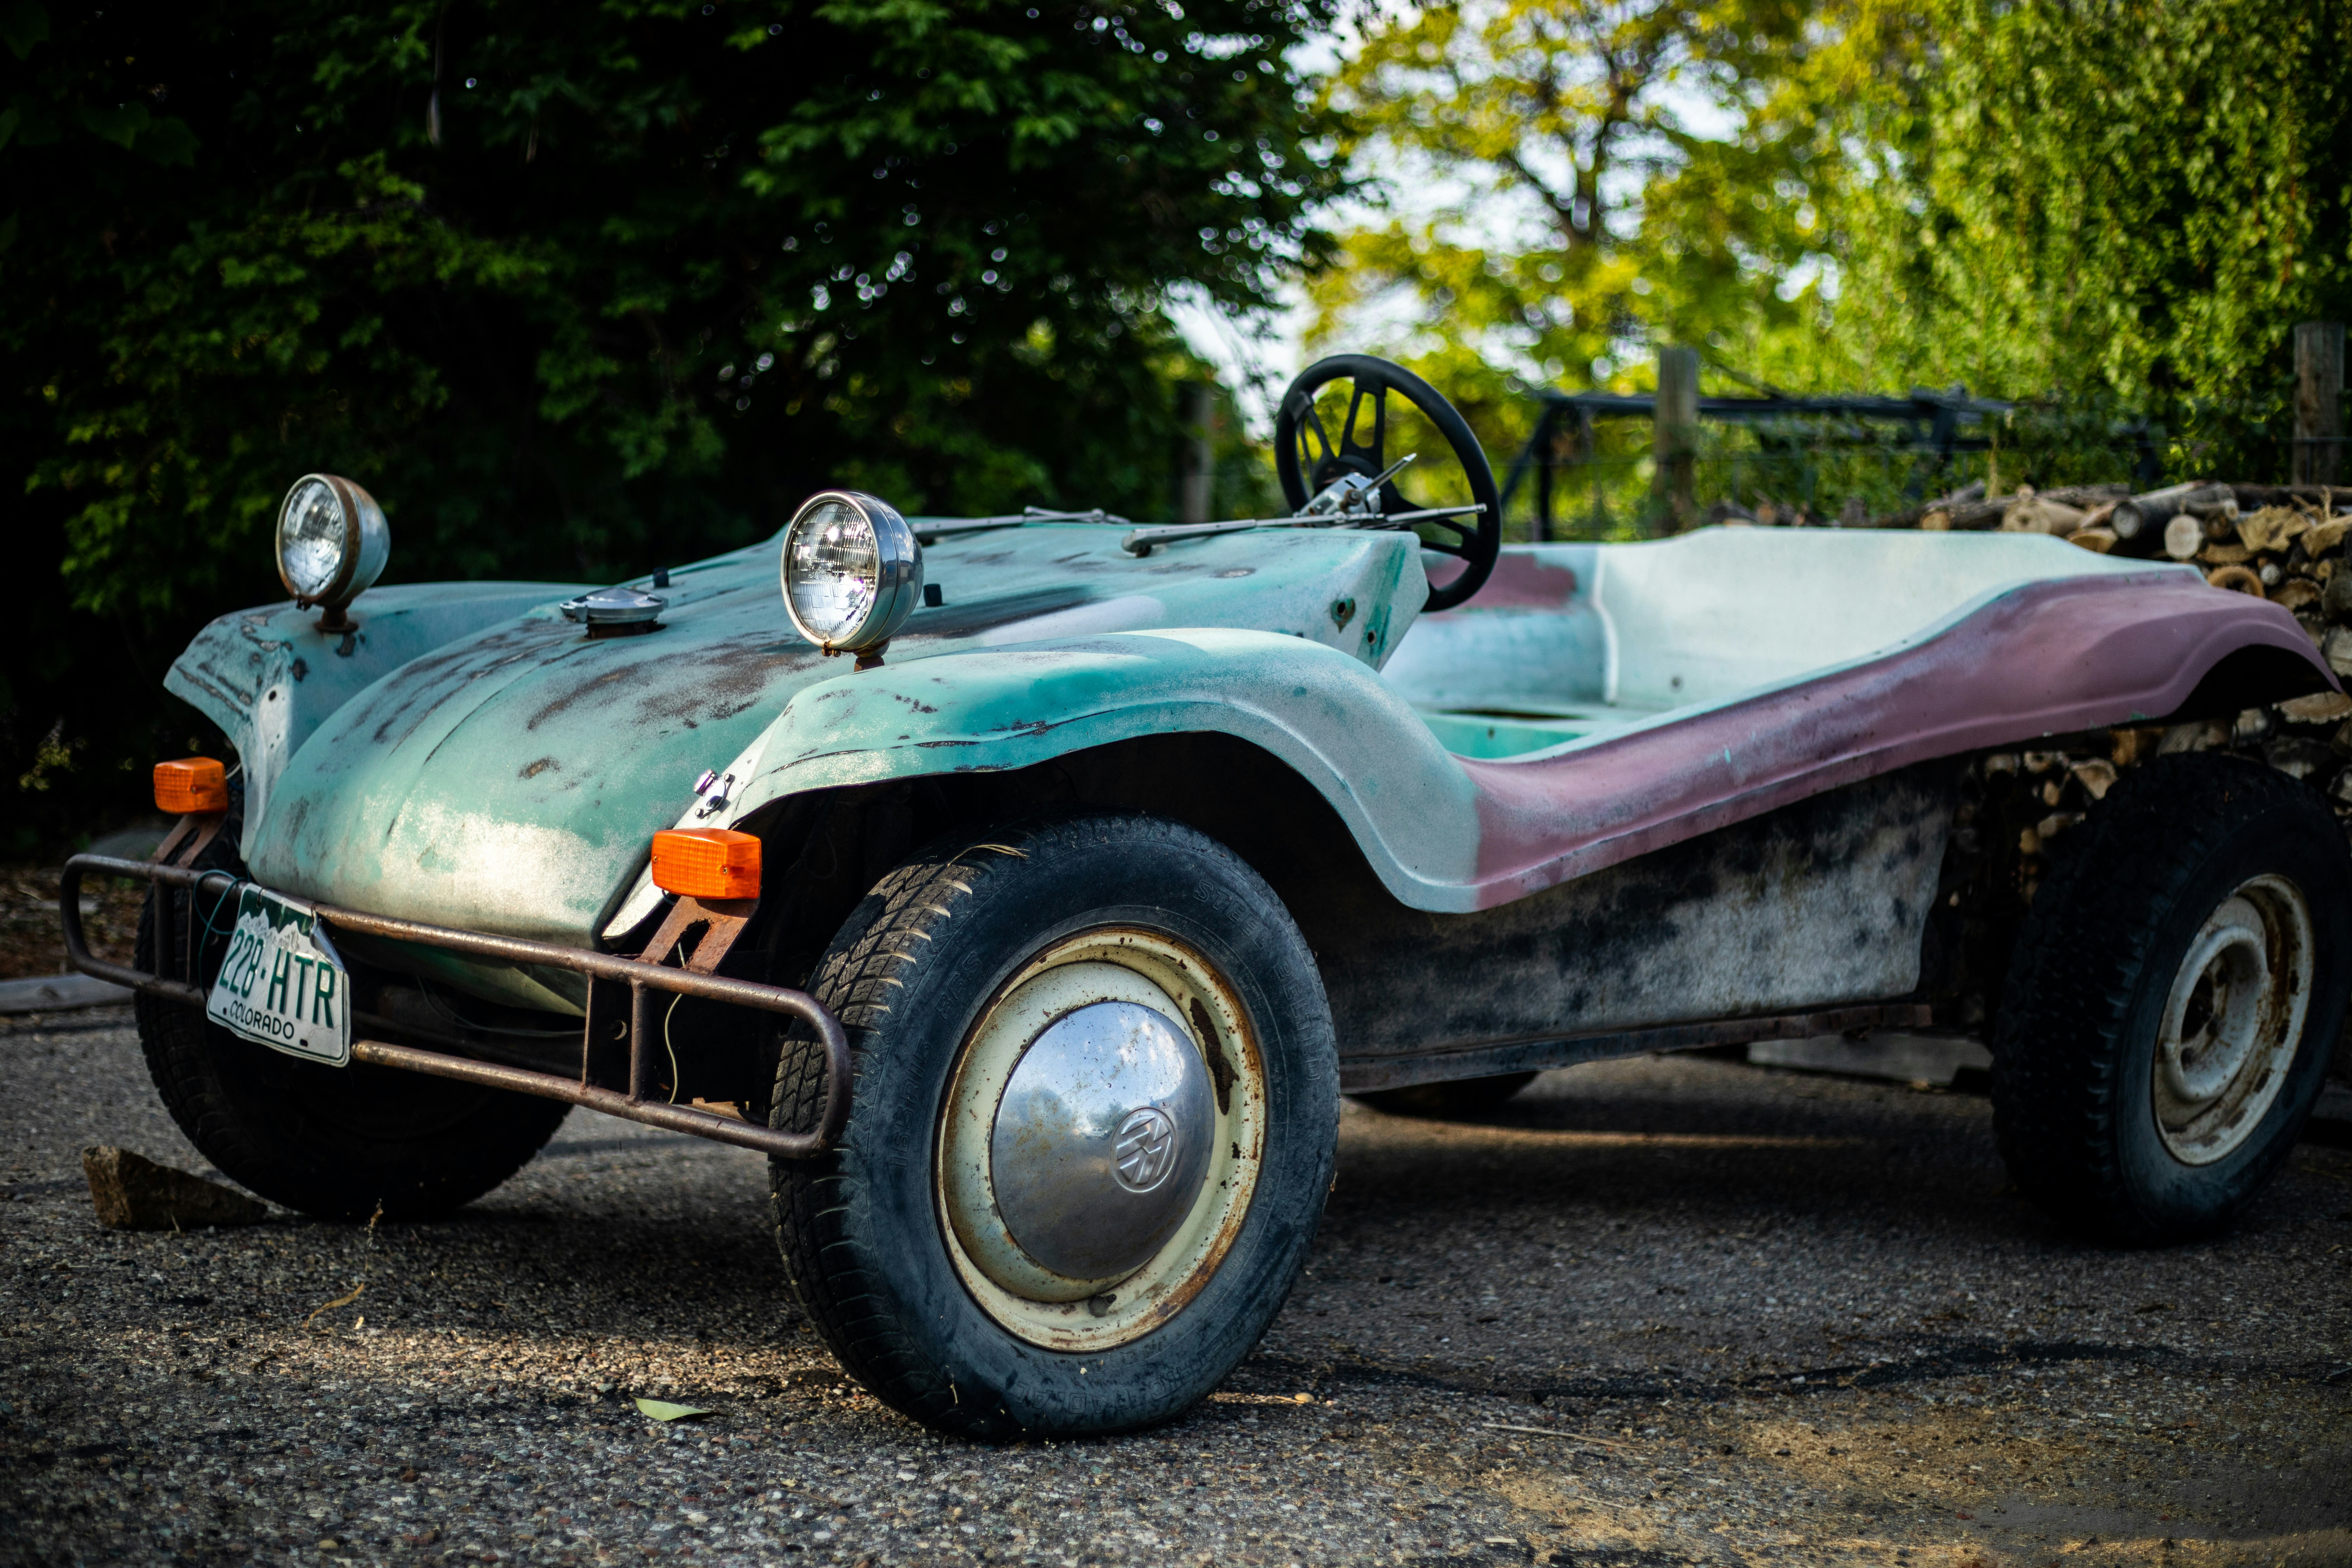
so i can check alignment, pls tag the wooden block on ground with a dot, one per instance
(131, 1192)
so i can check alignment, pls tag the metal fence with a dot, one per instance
(1599, 465)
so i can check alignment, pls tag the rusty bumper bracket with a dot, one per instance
(640, 976)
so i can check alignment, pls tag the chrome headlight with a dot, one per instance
(332, 542)
(852, 571)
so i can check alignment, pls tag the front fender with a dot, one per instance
(1409, 805)
(268, 677)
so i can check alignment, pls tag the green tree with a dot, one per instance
(1560, 211)
(2113, 212)
(576, 291)
(2126, 205)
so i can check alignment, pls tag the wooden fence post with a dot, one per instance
(1196, 458)
(2318, 400)
(1675, 439)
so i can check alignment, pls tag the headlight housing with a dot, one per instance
(852, 571)
(333, 544)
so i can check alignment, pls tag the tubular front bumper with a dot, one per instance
(641, 977)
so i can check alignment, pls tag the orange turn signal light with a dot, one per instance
(706, 863)
(192, 784)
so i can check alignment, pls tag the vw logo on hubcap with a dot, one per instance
(1100, 1141)
(1144, 1150)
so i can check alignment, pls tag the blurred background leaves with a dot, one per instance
(2111, 213)
(577, 291)
(581, 291)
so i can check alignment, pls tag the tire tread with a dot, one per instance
(879, 949)
(2074, 977)
(820, 1206)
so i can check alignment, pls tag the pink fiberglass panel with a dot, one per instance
(1523, 581)
(2048, 658)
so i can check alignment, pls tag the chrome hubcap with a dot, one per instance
(2232, 1020)
(1100, 1141)
(1099, 1144)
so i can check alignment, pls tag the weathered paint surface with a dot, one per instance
(268, 677)
(1328, 716)
(1802, 661)
(1844, 681)
(1820, 902)
(509, 780)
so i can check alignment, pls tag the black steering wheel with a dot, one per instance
(1473, 538)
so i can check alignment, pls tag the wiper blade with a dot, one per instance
(1140, 542)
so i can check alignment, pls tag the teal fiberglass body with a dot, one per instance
(476, 761)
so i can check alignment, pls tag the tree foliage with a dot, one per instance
(2131, 202)
(578, 291)
(1562, 206)
(2116, 211)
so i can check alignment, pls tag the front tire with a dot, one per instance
(343, 1143)
(1094, 1119)
(2177, 990)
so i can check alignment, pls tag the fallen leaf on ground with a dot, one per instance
(662, 1410)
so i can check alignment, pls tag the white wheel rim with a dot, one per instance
(2232, 1020)
(1141, 968)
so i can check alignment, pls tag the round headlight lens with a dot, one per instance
(311, 539)
(332, 543)
(831, 570)
(852, 571)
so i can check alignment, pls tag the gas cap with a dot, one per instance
(615, 612)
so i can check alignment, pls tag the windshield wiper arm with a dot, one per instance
(1339, 498)
(927, 528)
(1140, 542)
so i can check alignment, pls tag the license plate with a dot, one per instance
(282, 984)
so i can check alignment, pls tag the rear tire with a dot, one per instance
(909, 1244)
(1459, 1100)
(2177, 989)
(343, 1144)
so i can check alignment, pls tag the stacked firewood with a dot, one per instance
(2284, 543)
(2274, 542)
(2281, 542)
(2047, 790)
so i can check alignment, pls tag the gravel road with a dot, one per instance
(1665, 1310)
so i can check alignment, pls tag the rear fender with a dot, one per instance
(1324, 714)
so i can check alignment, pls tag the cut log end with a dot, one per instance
(2184, 536)
(2335, 598)
(2297, 594)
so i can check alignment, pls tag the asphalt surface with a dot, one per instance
(1656, 1311)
